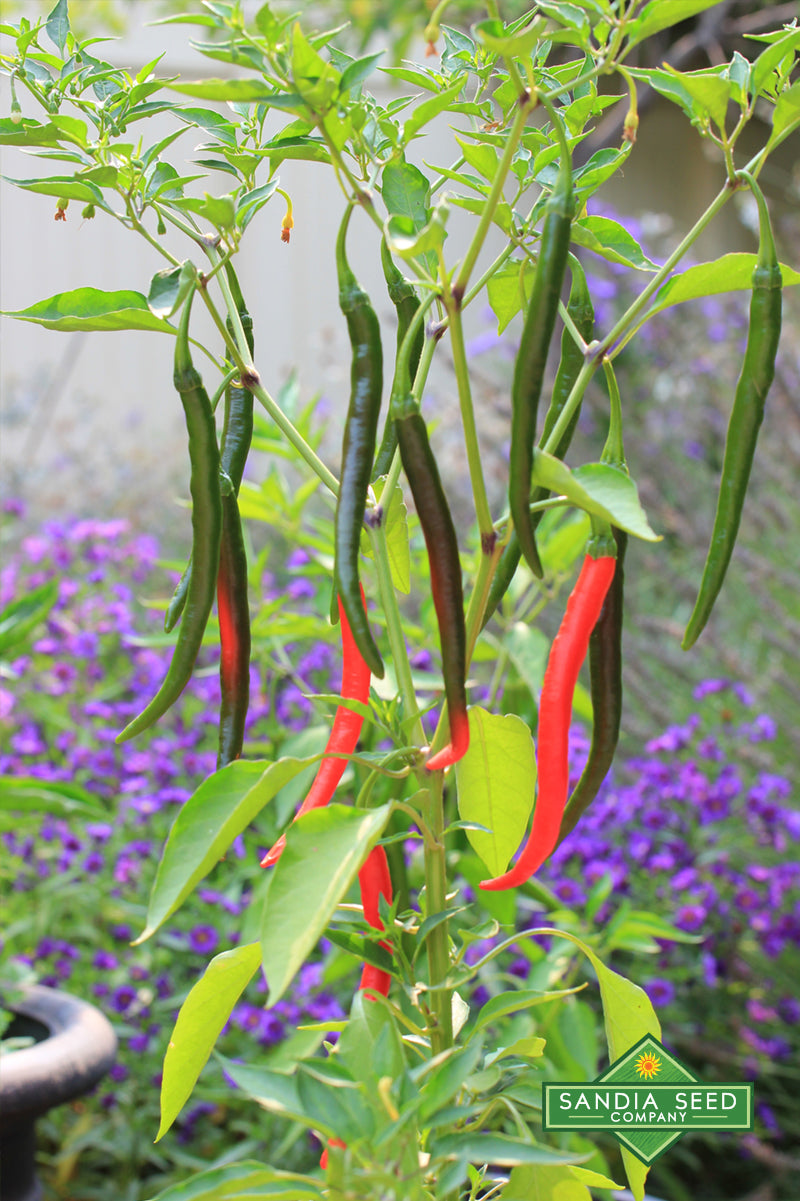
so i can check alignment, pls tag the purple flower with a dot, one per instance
(123, 998)
(660, 991)
(203, 939)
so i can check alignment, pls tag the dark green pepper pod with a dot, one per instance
(206, 531)
(756, 376)
(404, 297)
(358, 449)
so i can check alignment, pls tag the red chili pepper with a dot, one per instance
(555, 711)
(375, 881)
(344, 735)
(332, 1142)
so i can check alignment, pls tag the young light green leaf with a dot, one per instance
(214, 123)
(515, 1001)
(786, 117)
(29, 794)
(523, 1048)
(239, 90)
(730, 273)
(324, 852)
(546, 1182)
(200, 1020)
(92, 309)
(597, 488)
(611, 241)
(506, 288)
(405, 192)
(57, 25)
(28, 133)
(356, 72)
(703, 95)
(246, 1179)
(497, 1149)
(275, 1091)
(220, 211)
(660, 14)
(429, 109)
(404, 239)
(496, 782)
(170, 287)
(499, 40)
(771, 58)
(220, 809)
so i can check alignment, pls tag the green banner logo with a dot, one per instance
(648, 1099)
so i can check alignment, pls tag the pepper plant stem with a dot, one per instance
(482, 510)
(438, 941)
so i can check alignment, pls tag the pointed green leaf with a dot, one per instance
(404, 239)
(496, 782)
(245, 1179)
(324, 852)
(29, 794)
(497, 1149)
(429, 109)
(786, 117)
(406, 192)
(506, 288)
(219, 211)
(200, 1020)
(239, 90)
(597, 488)
(19, 617)
(221, 808)
(57, 25)
(170, 287)
(612, 241)
(60, 186)
(515, 1001)
(212, 122)
(730, 273)
(92, 309)
(660, 14)
(445, 1081)
(276, 1091)
(28, 133)
(395, 525)
(528, 649)
(356, 72)
(506, 42)
(370, 1045)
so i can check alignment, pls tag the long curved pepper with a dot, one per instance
(344, 735)
(531, 361)
(358, 448)
(555, 711)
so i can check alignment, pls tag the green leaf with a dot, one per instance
(612, 241)
(92, 309)
(547, 1182)
(515, 1001)
(242, 91)
(660, 14)
(200, 1020)
(324, 852)
(60, 186)
(496, 1149)
(405, 192)
(30, 794)
(395, 525)
(356, 72)
(445, 1081)
(370, 1046)
(247, 1179)
(786, 116)
(482, 157)
(28, 133)
(212, 122)
(275, 1091)
(19, 617)
(251, 202)
(219, 211)
(403, 238)
(216, 813)
(730, 273)
(522, 1048)
(496, 38)
(597, 488)
(57, 25)
(170, 287)
(505, 290)
(429, 109)
(528, 649)
(496, 782)
(703, 95)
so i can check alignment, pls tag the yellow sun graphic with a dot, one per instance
(648, 1065)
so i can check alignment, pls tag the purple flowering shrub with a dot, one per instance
(76, 890)
(697, 830)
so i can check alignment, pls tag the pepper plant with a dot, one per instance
(417, 1097)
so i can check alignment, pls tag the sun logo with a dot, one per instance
(648, 1065)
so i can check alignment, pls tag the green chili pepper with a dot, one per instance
(531, 360)
(442, 545)
(405, 300)
(358, 449)
(237, 434)
(234, 629)
(756, 376)
(580, 310)
(206, 531)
